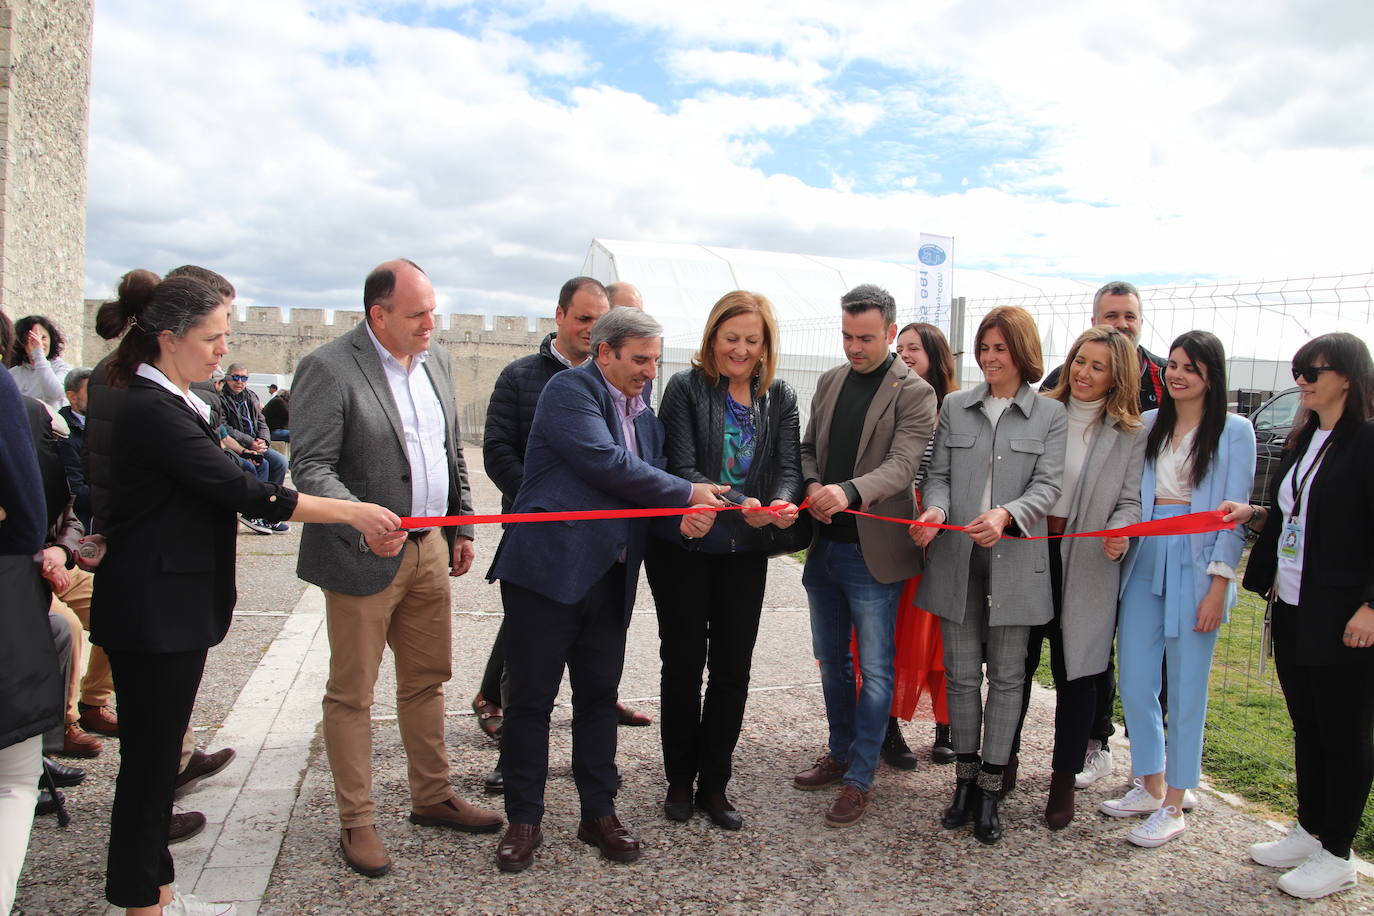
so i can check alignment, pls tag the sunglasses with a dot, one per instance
(1310, 374)
(244, 378)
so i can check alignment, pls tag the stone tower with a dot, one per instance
(45, 81)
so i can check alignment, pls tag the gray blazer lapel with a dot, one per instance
(1094, 462)
(371, 365)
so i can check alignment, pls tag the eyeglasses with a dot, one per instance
(1310, 374)
(244, 378)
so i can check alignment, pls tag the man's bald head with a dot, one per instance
(380, 284)
(625, 295)
(400, 307)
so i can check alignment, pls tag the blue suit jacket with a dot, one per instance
(1230, 476)
(576, 459)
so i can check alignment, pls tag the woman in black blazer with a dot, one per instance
(1315, 553)
(165, 590)
(726, 420)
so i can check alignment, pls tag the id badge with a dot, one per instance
(1290, 542)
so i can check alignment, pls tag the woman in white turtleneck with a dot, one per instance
(1099, 388)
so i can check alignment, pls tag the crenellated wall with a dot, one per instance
(265, 340)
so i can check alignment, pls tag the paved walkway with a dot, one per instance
(272, 839)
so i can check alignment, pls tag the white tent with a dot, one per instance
(680, 283)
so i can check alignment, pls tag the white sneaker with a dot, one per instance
(1291, 851)
(1135, 802)
(1159, 828)
(187, 905)
(1189, 800)
(1096, 764)
(1321, 874)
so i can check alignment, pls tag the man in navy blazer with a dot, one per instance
(568, 587)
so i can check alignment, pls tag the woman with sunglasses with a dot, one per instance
(1178, 589)
(1319, 569)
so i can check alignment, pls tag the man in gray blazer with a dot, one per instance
(870, 422)
(374, 419)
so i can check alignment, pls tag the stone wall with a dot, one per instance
(265, 342)
(45, 77)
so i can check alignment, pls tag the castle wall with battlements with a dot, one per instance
(266, 339)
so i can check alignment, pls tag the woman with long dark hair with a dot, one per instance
(36, 360)
(918, 665)
(1099, 387)
(165, 590)
(1178, 589)
(996, 470)
(727, 420)
(1319, 569)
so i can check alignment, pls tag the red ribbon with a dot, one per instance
(1193, 523)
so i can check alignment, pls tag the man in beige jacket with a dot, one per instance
(870, 422)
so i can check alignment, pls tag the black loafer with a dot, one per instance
(678, 805)
(719, 810)
(62, 775)
(495, 783)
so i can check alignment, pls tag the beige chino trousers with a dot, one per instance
(412, 615)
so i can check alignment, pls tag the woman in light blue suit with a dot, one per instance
(1178, 589)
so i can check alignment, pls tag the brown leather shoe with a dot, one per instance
(627, 716)
(201, 767)
(363, 851)
(98, 720)
(76, 743)
(826, 772)
(611, 837)
(848, 807)
(457, 814)
(184, 825)
(515, 852)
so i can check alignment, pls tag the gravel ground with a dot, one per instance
(785, 860)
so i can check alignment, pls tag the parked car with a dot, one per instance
(1273, 421)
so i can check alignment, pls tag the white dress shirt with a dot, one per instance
(422, 419)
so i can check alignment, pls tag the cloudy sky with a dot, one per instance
(292, 145)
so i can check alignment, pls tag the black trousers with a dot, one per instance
(155, 692)
(708, 618)
(1075, 701)
(541, 637)
(496, 666)
(1332, 708)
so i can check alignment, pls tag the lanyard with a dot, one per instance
(1300, 487)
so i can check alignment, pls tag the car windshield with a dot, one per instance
(1278, 413)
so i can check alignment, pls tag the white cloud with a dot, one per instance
(294, 148)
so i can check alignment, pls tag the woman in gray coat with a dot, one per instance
(999, 457)
(1099, 388)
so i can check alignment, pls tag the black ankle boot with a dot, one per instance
(987, 826)
(1009, 776)
(943, 751)
(895, 752)
(966, 794)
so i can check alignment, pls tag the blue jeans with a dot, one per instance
(844, 596)
(276, 466)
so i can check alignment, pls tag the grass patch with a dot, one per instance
(1248, 748)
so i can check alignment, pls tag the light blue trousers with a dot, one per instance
(1156, 622)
